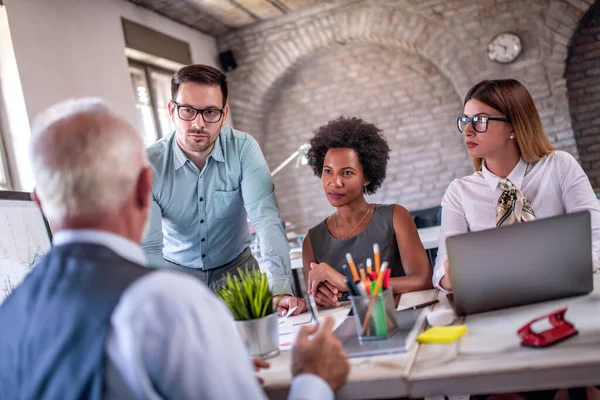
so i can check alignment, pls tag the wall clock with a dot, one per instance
(505, 48)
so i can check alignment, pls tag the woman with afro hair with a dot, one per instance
(350, 156)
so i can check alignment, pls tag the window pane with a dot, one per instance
(143, 104)
(3, 167)
(3, 180)
(161, 85)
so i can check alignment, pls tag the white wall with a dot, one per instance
(74, 48)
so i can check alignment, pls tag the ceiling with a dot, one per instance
(217, 17)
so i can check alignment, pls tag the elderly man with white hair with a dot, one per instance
(90, 322)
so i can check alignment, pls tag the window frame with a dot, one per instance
(148, 68)
(4, 165)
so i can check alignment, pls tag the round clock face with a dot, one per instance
(505, 48)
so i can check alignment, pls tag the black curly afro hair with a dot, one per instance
(352, 132)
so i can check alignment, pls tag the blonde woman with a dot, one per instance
(518, 175)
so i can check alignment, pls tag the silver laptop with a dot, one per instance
(521, 264)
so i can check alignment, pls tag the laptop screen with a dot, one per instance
(25, 237)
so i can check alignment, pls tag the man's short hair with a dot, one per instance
(85, 158)
(201, 74)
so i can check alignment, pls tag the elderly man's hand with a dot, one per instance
(259, 363)
(323, 355)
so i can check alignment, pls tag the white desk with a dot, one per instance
(489, 358)
(370, 377)
(429, 236)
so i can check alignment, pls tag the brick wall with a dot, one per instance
(583, 81)
(407, 58)
(416, 117)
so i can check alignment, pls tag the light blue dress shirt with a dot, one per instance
(199, 218)
(176, 344)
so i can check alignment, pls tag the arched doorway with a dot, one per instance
(583, 85)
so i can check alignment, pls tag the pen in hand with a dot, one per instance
(312, 307)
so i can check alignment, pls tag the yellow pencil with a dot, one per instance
(369, 266)
(377, 258)
(352, 267)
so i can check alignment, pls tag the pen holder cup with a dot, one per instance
(375, 316)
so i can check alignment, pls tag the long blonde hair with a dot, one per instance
(513, 100)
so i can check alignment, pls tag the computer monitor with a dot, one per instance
(25, 237)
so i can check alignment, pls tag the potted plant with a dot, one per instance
(251, 302)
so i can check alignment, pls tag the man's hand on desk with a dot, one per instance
(445, 281)
(287, 302)
(322, 355)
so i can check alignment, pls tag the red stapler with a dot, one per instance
(561, 330)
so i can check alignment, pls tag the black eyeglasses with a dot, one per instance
(189, 113)
(479, 122)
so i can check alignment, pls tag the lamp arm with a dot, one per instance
(286, 162)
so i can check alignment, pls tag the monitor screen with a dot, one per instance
(24, 239)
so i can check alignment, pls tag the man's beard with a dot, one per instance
(194, 146)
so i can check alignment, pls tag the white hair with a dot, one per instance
(85, 158)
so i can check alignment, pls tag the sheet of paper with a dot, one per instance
(293, 323)
(288, 329)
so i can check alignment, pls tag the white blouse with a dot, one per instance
(554, 185)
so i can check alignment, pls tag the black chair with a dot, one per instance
(425, 218)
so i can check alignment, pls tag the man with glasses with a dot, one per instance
(208, 178)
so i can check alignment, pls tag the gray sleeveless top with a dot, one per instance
(380, 230)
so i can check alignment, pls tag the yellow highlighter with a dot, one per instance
(442, 334)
